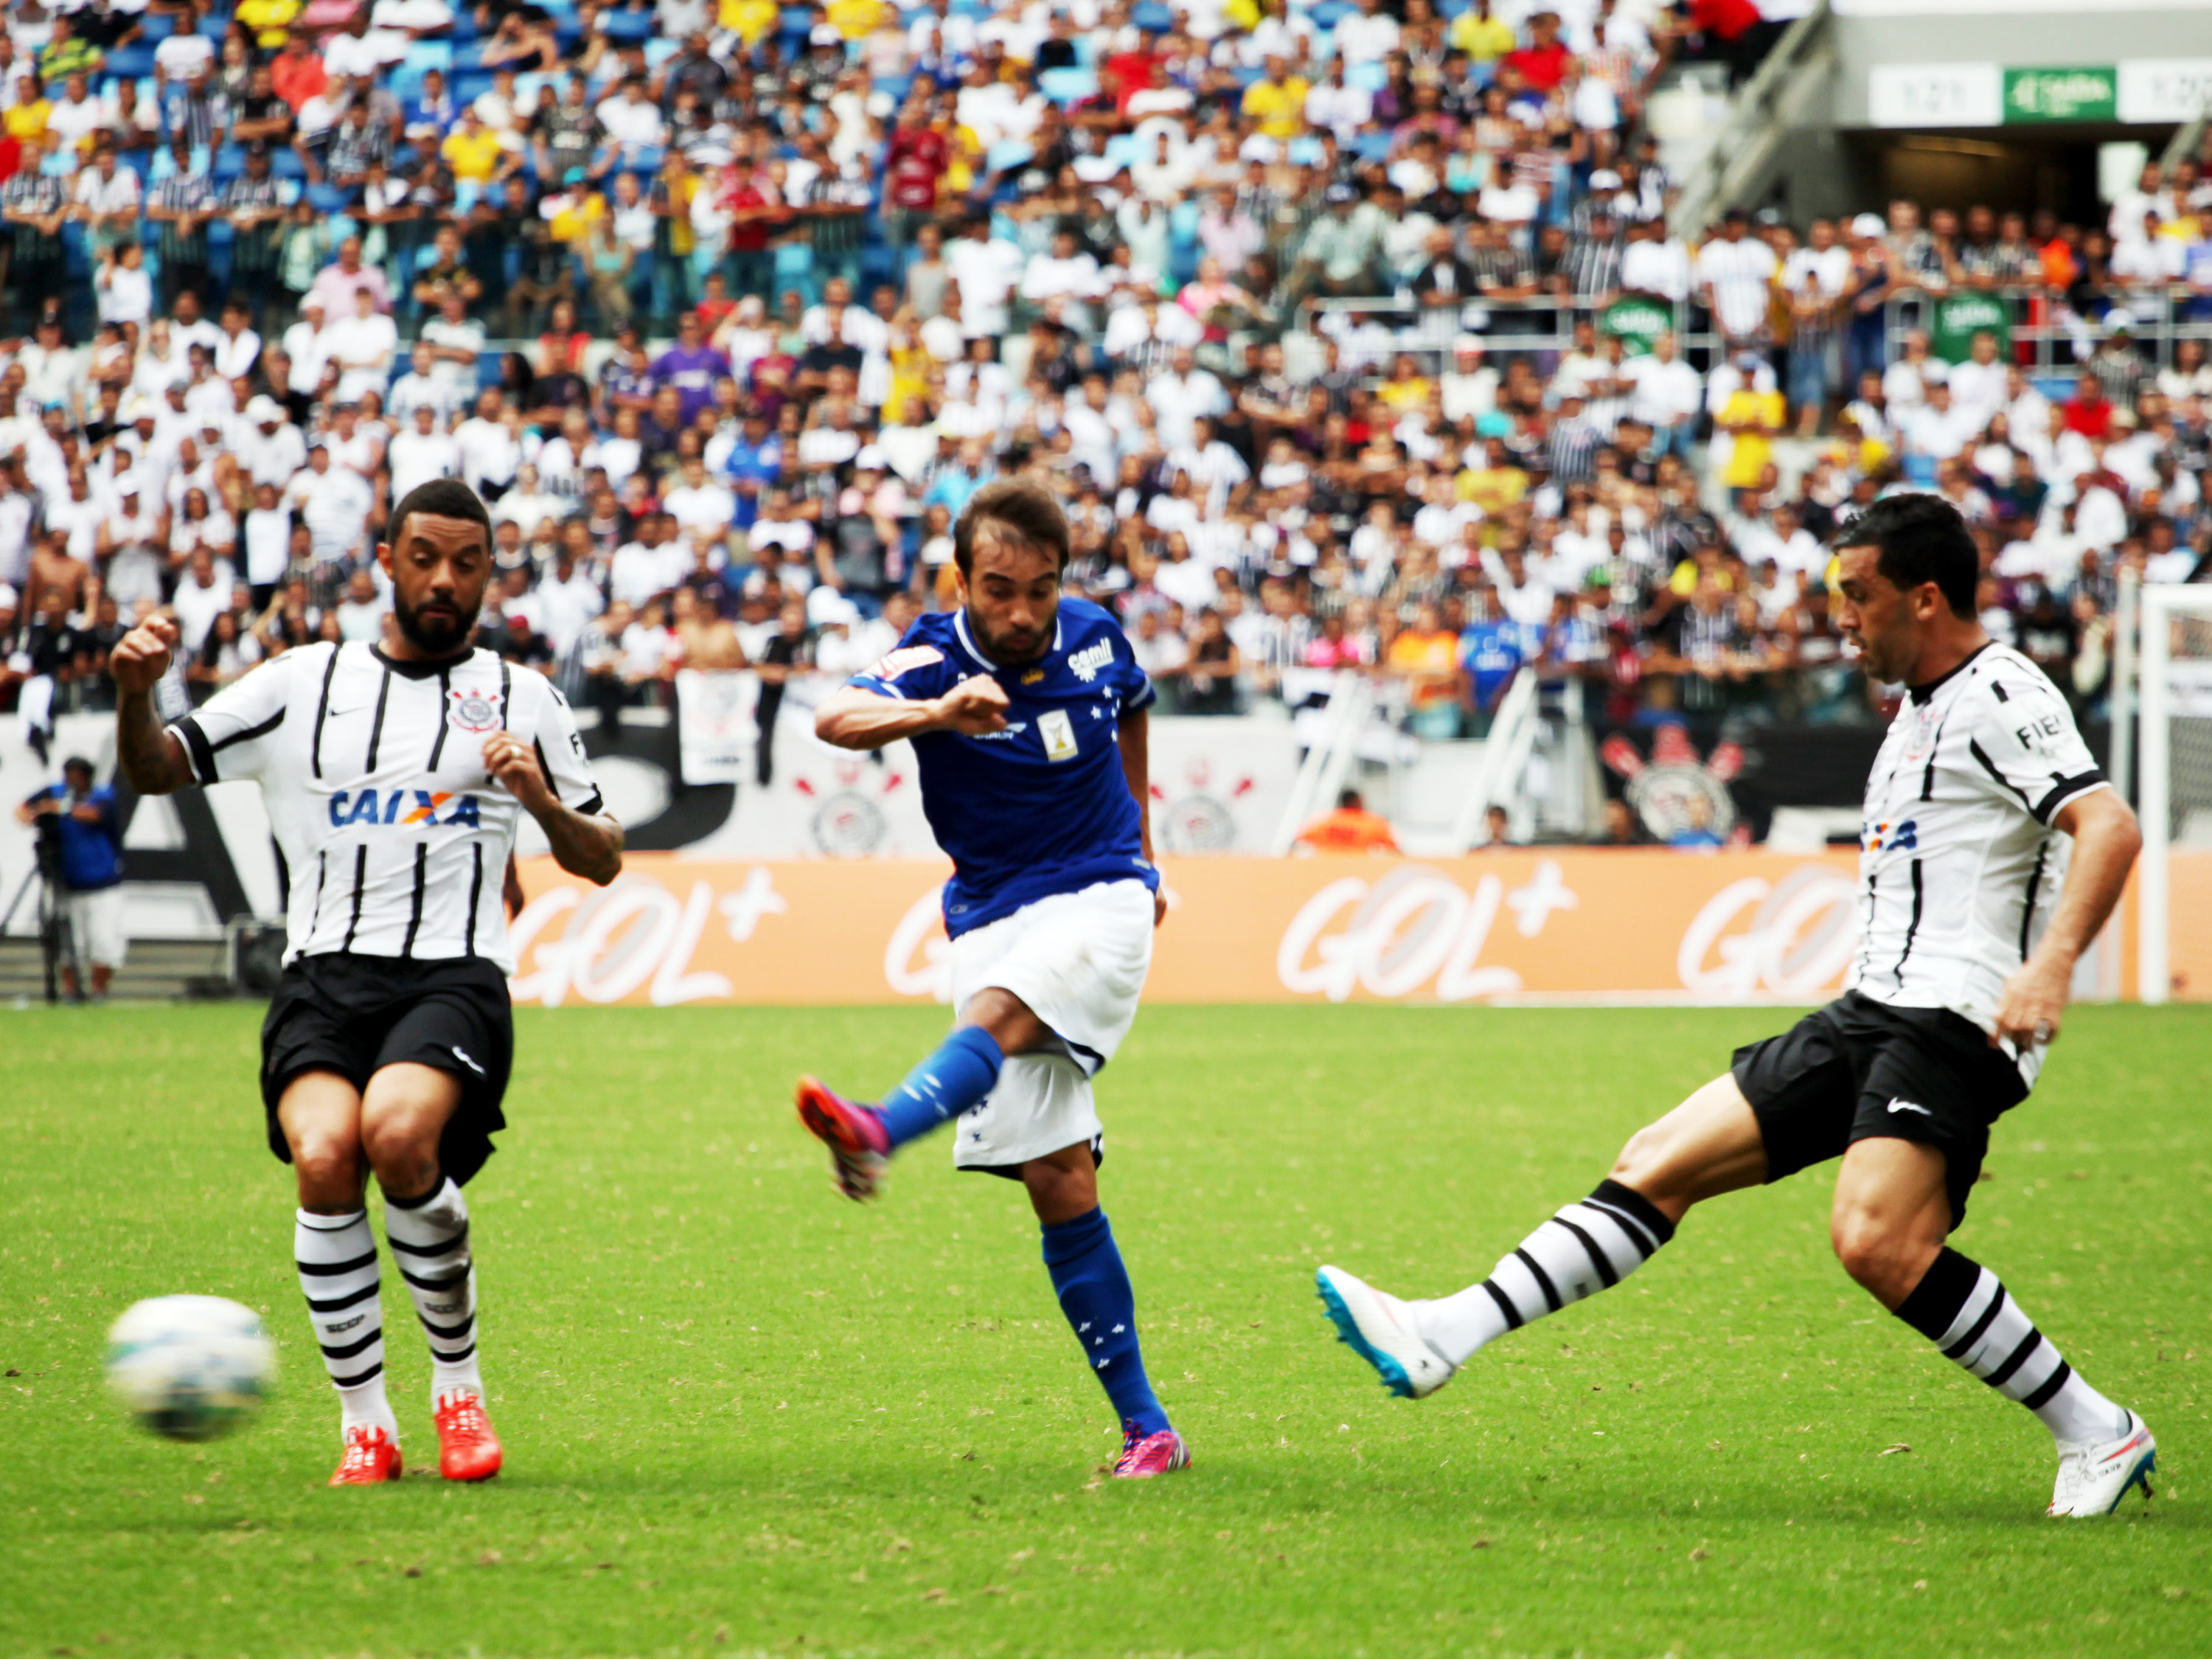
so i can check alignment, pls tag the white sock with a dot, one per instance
(429, 1240)
(1588, 1246)
(337, 1258)
(1962, 1307)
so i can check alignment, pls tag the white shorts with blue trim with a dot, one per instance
(1078, 961)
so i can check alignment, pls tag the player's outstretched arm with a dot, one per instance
(150, 756)
(590, 846)
(2106, 842)
(1136, 744)
(853, 718)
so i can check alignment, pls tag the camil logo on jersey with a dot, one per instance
(473, 711)
(1086, 663)
(405, 809)
(1904, 837)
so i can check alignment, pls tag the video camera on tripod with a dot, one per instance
(56, 946)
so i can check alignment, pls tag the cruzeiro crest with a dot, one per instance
(1663, 791)
(473, 711)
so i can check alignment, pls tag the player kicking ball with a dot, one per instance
(395, 776)
(1992, 851)
(1027, 713)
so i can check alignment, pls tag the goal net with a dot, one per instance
(2174, 935)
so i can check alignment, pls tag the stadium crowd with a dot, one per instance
(1352, 335)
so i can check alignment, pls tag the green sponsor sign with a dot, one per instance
(1959, 317)
(1637, 322)
(2082, 93)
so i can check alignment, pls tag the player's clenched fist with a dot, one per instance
(510, 761)
(141, 656)
(977, 705)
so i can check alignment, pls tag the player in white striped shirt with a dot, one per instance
(395, 777)
(1991, 853)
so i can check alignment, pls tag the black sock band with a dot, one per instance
(419, 1200)
(1937, 1300)
(1645, 1213)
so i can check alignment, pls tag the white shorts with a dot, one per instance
(1078, 962)
(95, 921)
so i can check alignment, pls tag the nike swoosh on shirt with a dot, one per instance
(459, 1054)
(1907, 1106)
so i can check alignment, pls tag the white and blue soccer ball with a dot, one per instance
(190, 1367)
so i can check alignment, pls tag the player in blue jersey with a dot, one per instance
(1027, 713)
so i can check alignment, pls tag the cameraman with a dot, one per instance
(79, 825)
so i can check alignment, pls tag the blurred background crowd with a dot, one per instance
(1353, 336)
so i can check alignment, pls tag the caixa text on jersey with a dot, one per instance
(405, 809)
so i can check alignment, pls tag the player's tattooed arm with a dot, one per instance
(150, 756)
(2106, 842)
(590, 846)
(856, 719)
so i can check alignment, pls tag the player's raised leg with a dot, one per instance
(1892, 1214)
(1101, 1308)
(958, 1074)
(426, 1222)
(1708, 1145)
(336, 1251)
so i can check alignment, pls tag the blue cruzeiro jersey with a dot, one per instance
(1042, 807)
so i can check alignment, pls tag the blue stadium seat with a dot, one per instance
(428, 55)
(129, 63)
(154, 28)
(469, 57)
(331, 198)
(1066, 87)
(230, 163)
(285, 163)
(214, 27)
(1372, 146)
(1152, 17)
(627, 27)
(468, 85)
(1329, 12)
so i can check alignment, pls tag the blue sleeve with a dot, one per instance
(104, 798)
(918, 669)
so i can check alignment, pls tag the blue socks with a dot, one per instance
(958, 1075)
(1094, 1294)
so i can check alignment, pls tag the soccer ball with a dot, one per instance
(190, 1367)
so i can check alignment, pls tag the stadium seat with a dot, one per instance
(627, 27)
(1153, 18)
(1066, 87)
(428, 54)
(285, 163)
(154, 28)
(1329, 12)
(230, 163)
(214, 27)
(1372, 146)
(129, 63)
(468, 85)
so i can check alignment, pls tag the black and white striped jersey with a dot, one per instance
(394, 836)
(1958, 866)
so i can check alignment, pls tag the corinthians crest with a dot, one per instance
(1661, 790)
(473, 711)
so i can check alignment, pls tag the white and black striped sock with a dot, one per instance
(337, 1259)
(429, 1240)
(1588, 1246)
(1962, 1308)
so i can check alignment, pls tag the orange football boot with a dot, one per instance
(467, 1449)
(371, 1457)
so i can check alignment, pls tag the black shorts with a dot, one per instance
(354, 1014)
(1861, 1070)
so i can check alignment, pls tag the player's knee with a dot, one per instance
(328, 1168)
(1882, 1257)
(1646, 1161)
(402, 1147)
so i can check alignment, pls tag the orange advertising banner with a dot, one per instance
(1570, 922)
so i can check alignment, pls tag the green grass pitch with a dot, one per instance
(744, 1416)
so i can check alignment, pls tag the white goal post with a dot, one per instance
(2174, 674)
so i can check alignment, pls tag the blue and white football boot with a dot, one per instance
(1380, 1329)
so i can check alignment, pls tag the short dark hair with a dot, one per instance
(1349, 800)
(1920, 538)
(440, 498)
(1016, 509)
